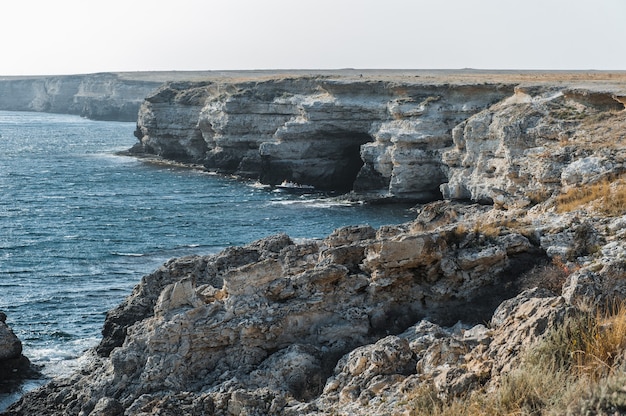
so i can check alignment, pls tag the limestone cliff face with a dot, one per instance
(530, 145)
(96, 96)
(367, 135)
(404, 139)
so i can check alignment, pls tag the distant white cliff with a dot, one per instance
(105, 96)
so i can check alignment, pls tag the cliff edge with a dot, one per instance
(105, 96)
(505, 294)
(381, 134)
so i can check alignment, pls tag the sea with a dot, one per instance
(80, 225)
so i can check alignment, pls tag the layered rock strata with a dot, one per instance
(523, 149)
(329, 133)
(105, 96)
(400, 138)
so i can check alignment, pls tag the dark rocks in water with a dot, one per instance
(14, 367)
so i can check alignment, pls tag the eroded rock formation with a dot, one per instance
(105, 96)
(330, 133)
(14, 367)
(354, 322)
(528, 146)
(379, 137)
(272, 318)
(360, 321)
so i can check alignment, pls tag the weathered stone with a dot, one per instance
(323, 132)
(104, 96)
(512, 153)
(10, 345)
(14, 367)
(520, 322)
(253, 322)
(357, 323)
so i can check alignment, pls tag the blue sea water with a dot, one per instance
(80, 225)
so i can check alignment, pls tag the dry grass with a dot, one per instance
(491, 229)
(550, 276)
(575, 368)
(603, 343)
(588, 345)
(604, 130)
(608, 197)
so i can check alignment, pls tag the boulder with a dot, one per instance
(14, 367)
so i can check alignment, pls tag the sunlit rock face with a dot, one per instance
(370, 136)
(504, 143)
(524, 148)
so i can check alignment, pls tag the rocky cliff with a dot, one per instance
(380, 135)
(503, 297)
(105, 96)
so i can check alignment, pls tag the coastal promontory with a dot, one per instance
(114, 96)
(504, 295)
(384, 134)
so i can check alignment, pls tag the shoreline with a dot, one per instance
(350, 196)
(363, 321)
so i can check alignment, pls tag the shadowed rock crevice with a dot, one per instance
(329, 161)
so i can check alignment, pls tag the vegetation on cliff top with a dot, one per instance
(578, 368)
(607, 197)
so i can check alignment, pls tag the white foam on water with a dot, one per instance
(314, 203)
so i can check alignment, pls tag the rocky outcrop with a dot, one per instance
(365, 321)
(525, 148)
(402, 138)
(357, 322)
(267, 322)
(14, 367)
(331, 133)
(105, 96)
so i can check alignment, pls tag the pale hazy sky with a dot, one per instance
(78, 36)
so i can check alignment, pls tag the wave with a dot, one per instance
(61, 359)
(258, 185)
(117, 253)
(314, 203)
(167, 252)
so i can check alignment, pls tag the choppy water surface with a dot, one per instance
(79, 225)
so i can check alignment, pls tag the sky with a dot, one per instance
(49, 37)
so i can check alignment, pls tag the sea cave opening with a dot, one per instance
(330, 161)
(333, 160)
(349, 163)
